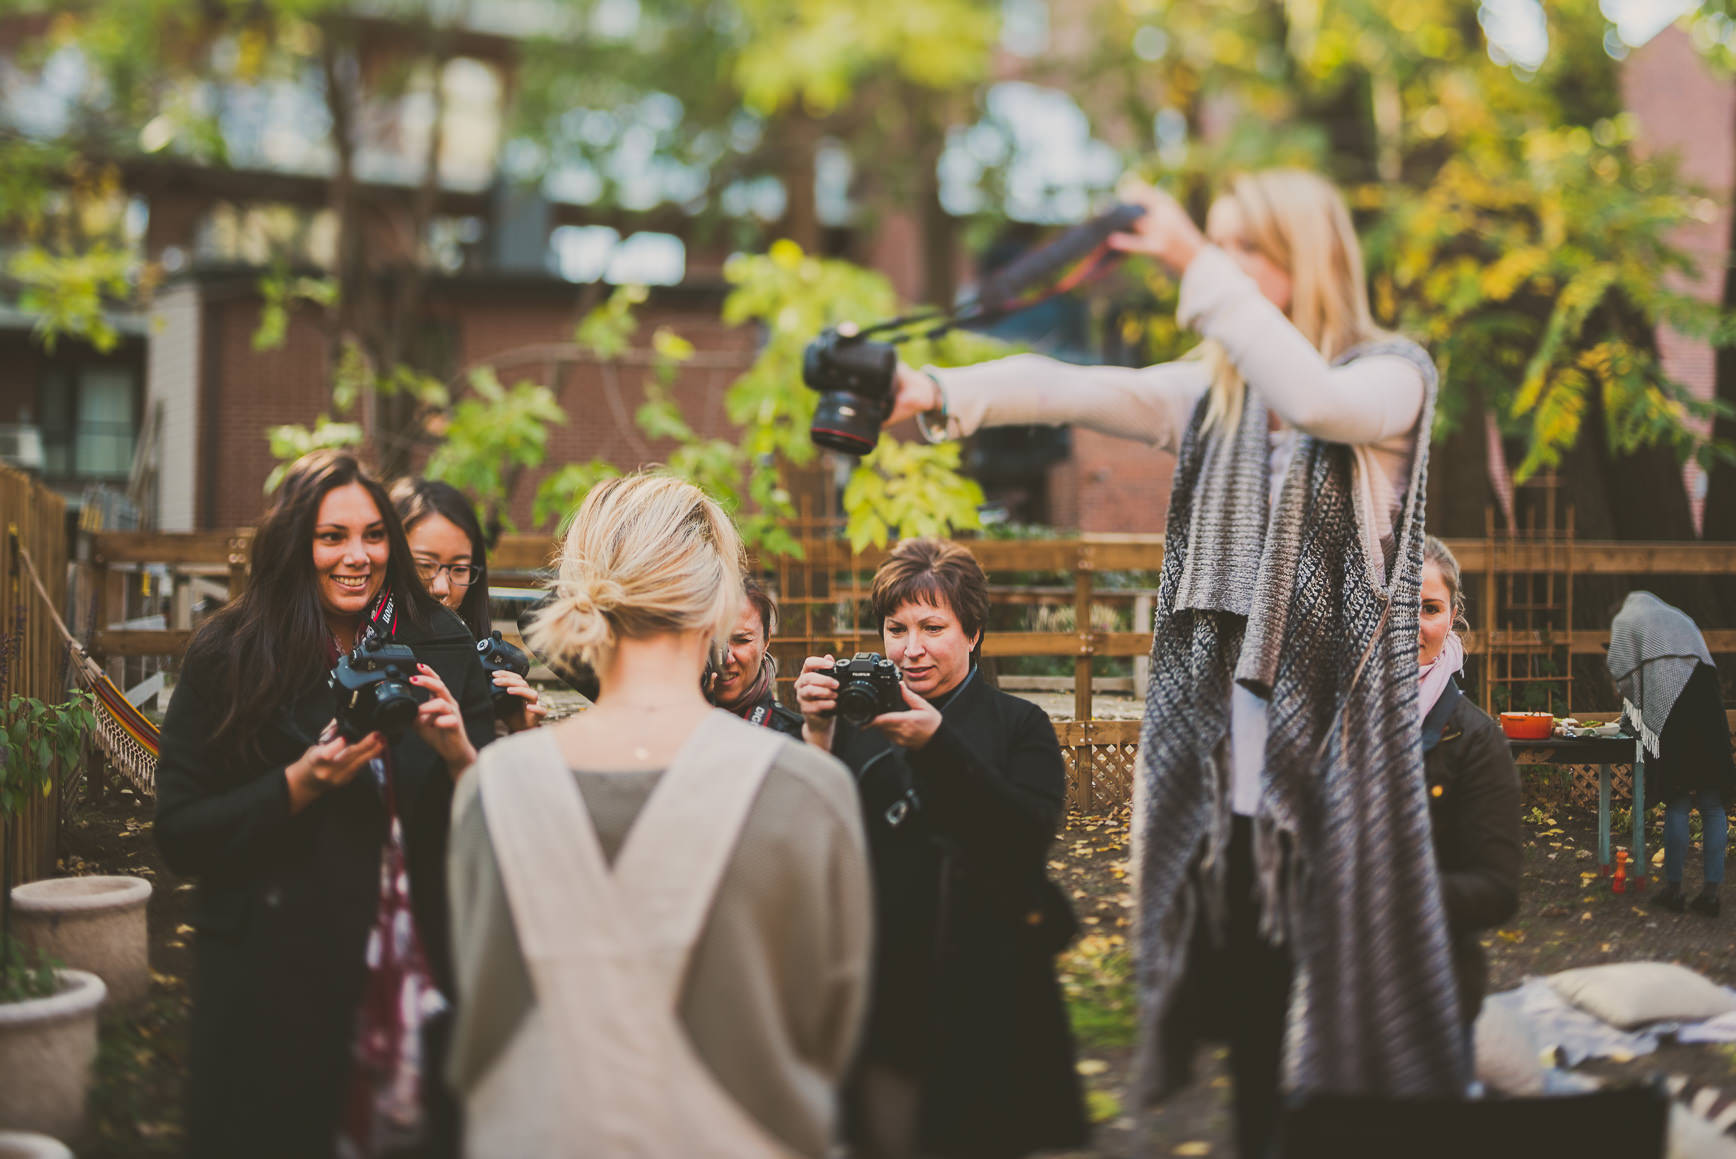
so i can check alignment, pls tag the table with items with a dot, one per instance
(1602, 751)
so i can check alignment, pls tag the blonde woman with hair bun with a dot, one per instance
(661, 912)
(1281, 707)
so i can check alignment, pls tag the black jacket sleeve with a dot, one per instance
(1005, 815)
(212, 817)
(1482, 890)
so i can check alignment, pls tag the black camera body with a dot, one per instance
(868, 685)
(374, 691)
(854, 377)
(499, 656)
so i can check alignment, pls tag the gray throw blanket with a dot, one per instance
(1294, 610)
(1653, 649)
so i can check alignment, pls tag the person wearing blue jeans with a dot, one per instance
(1713, 836)
(1672, 700)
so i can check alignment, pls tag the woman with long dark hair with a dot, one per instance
(320, 961)
(451, 555)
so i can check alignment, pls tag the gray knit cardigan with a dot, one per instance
(1293, 609)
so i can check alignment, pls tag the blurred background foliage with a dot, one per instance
(1509, 221)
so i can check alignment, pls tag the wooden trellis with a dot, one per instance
(1529, 609)
(1102, 758)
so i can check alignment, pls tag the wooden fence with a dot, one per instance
(823, 593)
(34, 659)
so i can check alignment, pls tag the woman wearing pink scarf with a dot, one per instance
(1473, 783)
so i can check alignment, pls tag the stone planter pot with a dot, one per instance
(30, 1145)
(47, 1051)
(90, 923)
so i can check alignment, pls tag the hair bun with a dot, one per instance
(577, 626)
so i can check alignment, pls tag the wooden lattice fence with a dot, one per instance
(35, 659)
(1101, 757)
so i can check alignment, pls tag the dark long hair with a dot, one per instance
(272, 642)
(416, 500)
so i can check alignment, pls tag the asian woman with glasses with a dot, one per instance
(451, 556)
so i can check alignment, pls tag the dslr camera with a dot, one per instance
(854, 378)
(499, 656)
(868, 685)
(374, 691)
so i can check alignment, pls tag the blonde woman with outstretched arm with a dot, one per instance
(1286, 889)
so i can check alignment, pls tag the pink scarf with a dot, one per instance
(1439, 672)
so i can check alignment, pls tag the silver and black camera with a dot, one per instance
(868, 685)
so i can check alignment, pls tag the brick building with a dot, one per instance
(71, 413)
(1688, 112)
(215, 397)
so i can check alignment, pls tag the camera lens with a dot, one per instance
(857, 703)
(394, 709)
(846, 422)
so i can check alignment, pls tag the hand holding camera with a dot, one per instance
(913, 393)
(914, 725)
(863, 386)
(867, 691)
(440, 724)
(383, 689)
(375, 692)
(515, 701)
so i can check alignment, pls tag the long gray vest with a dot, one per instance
(1293, 608)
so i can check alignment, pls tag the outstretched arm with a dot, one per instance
(1366, 401)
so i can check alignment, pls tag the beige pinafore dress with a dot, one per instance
(607, 950)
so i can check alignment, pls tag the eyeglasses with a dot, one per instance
(460, 575)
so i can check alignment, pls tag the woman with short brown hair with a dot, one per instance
(967, 1050)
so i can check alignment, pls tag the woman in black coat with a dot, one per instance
(305, 940)
(1473, 785)
(968, 1051)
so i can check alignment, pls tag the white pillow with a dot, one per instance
(1507, 1056)
(1630, 994)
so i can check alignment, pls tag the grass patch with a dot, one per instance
(1097, 979)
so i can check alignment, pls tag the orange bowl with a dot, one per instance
(1527, 725)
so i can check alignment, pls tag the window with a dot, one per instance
(88, 421)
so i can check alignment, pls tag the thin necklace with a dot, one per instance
(640, 753)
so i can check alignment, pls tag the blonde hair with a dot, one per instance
(646, 554)
(1299, 222)
(1439, 554)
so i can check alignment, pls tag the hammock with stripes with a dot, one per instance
(127, 738)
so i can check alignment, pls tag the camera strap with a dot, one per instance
(901, 808)
(381, 620)
(1077, 256)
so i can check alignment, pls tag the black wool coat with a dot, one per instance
(966, 1000)
(1474, 804)
(1694, 748)
(285, 903)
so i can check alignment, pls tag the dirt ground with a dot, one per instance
(1568, 917)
